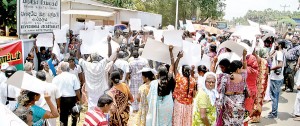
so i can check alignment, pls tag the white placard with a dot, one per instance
(45, 40)
(56, 51)
(38, 16)
(77, 27)
(135, 24)
(158, 51)
(198, 35)
(233, 46)
(205, 60)
(171, 27)
(60, 36)
(158, 34)
(65, 27)
(173, 37)
(191, 53)
(181, 23)
(190, 26)
(95, 41)
(90, 25)
(8, 118)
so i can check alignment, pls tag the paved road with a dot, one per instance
(285, 108)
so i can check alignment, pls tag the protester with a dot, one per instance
(147, 76)
(69, 86)
(230, 104)
(95, 75)
(75, 69)
(184, 93)
(9, 93)
(276, 77)
(97, 116)
(119, 113)
(136, 80)
(160, 101)
(28, 68)
(41, 55)
(2, 72)
(262, 81)
(47, 71)
(124, 65)
(28, 98)
(296, 111)
(201, 72)
(204, 107)
(53, 92)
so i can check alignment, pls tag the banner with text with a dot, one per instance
(12, 53)
(38, 16)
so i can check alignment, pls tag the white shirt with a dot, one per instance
(95, 75)
(77, 70)
(13, 92)
(2, 77)
(123, 65)
(66, 83)
(49, 76)
(53, 91)
(279, 57)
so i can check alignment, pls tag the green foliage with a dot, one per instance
(188, 9)
(263, 17)
(8, 9)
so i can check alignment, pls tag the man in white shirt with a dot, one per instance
(123, 65)
(276, 77)
(55, 96)
(69, 86)
(75, 69)
(95, 75)
(48, 72)
(8, 93)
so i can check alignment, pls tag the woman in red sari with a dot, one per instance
(252, 70)
(262, 82)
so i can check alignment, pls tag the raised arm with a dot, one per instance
(244, 59)
(53, 113)
(175, 65)
(78, 53)
(109, 46)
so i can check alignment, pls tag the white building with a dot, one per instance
(73, 11)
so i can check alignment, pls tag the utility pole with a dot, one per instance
(176, 22)
(284, 6)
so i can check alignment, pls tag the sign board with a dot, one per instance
(12, 53)
(8, 118)
(135, 24)
(36, 16)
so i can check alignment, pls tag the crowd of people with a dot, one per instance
(229, 91)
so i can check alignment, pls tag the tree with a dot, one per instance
(8, 16)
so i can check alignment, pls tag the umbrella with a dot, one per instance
(269, 35)
(233, 46)
(120, 26)
(22, 80)
(213, 30)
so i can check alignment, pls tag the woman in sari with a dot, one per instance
(184, 93)
(252, 73)
(148, 76)
(119, 113)
(262, 82)
(204, 110)
(230, 104)
(160, 99)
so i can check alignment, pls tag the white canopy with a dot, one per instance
(89, 12)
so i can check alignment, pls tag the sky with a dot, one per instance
(238, 8)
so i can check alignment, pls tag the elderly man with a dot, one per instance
(8, 93)
(123, 65)
(48, 72)
(28, 68)
(69, 86)
(95, 75)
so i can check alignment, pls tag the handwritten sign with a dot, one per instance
(135, 24)
(45, 40)
(38, 16)
(190, 26)
(173, 37)
(158, 51)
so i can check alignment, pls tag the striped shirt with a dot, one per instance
(95, 118)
